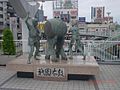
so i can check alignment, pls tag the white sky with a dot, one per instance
(84, 8)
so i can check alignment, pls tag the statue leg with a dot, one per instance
(63, 55)
(60, 46)
(51, 49)
(47, 54)
(70, 48)
(30, 54)
(37, 52)
(80, 46)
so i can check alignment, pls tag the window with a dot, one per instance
(1, 2)
(1, 23)
(1, 16)
(96, 29)
(1, 8)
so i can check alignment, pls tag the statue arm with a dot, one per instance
(26, 21)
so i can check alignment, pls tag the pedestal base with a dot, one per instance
(56, 71)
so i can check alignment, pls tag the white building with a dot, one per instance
(66, 10)
(7, 14)
(97, 29)
(3, 15)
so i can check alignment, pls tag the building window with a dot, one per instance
(1, 16)
(1, 8)
(103, 30)
(1, 2)
(1, 23)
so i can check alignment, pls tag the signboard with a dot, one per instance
(82, 19)
(97, 12)
(54, 73)
(74, 12)
(56, 13)
(41, 26)
(65, 17)
(65, 4)
(50, 72)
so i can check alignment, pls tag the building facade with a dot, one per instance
(8, 18)
(3, 15)
(98, 15)
(66, 10)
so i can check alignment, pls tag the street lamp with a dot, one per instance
(108, 22)
(108, 13)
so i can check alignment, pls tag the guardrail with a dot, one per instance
(95, 33)
(101, 50)
(104, 50)
(110, 34)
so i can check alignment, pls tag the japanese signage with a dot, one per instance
(97, 12)
(50, 72)
(74, 12)
(82, 19)
(56, 13)
(65, 4)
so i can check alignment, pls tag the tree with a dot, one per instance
(8, 43)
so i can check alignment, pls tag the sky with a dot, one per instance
(84, 8)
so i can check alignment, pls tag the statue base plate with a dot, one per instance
(56, 71)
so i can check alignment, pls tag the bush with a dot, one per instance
(8, 43)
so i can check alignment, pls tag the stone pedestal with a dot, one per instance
(56, 71)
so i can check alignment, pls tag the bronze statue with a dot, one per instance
(55, 31)
(34, 37)
(75, 39)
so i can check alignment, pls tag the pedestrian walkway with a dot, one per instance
(108, 79)
(5, 75)
(4, 59)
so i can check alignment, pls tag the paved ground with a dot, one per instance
(108, 79)
(4, 59)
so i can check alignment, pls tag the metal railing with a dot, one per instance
(104, 50)
(101, 50)
(95, 33)
(110, 34)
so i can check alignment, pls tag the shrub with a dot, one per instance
(8, 43)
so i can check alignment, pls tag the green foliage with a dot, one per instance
(117, 27)
(0, 46)
(8, 43)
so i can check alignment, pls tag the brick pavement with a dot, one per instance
(5, 75)
(109, 78)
